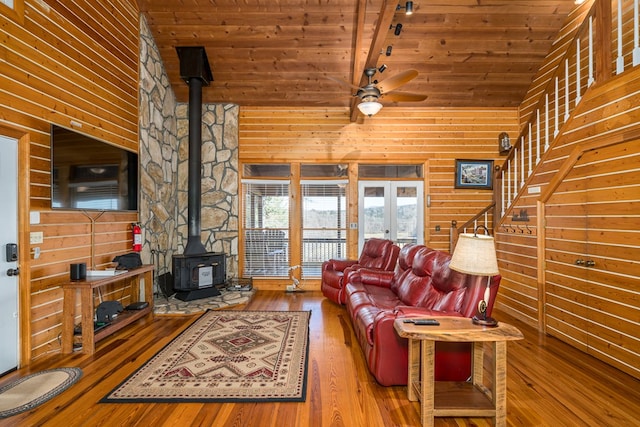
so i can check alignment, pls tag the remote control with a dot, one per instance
(427, 322)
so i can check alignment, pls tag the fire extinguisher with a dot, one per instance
(137, 237)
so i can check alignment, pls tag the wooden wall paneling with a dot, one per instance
(598, 305)
(24, 194)
(67, 61)
(352, 213)
(428, 230)
(599, 119)
(54, 65)
(16, 12)
(613, 199)
(295, 212)
(565, 302)
(46, 317)
(410, 135)
(517, 259)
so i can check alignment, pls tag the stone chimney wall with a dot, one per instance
(163, 150)
(220, 209)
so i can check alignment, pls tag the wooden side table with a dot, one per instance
(457, 399)
(87, 310)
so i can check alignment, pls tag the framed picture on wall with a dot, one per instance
(474, 174)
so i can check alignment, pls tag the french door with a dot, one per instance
(392, 210)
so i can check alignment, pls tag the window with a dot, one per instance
(390, 171)
(266, 170)
(323, 171)
(324, 225)
(266, 226)
(14, 9)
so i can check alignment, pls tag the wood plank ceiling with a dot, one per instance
(468, 53)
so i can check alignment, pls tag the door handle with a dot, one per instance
(590, 263)
(13, 272)
(579, 262)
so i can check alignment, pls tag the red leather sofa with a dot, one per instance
(379, 254)
(422, 285)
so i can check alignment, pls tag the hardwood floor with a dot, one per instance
(549, 383)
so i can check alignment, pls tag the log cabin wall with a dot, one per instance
(432, 137)
(586, 209)
(75, 65)
(568, 246)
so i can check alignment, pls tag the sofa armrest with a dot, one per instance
(367, 276)
(338, 264)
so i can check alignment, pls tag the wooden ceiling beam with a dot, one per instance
(385, 18)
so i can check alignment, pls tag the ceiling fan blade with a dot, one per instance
(404, 97)
(389, 84)
(343, 82)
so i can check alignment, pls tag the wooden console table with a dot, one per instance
(457, 399)
(87, 310)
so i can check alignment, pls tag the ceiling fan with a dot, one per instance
(373, 91)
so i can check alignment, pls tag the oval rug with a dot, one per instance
(27, 393)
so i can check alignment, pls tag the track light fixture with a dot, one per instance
(382, 68)
(389, 49)
(398, 28)
(408, 8)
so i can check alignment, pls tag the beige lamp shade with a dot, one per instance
(475, 254)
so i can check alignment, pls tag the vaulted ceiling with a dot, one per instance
(468, 53)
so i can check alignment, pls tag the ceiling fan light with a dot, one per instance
(369, 108)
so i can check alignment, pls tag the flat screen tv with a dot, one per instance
(90, 174)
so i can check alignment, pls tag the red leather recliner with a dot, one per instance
(378, 254)
(422, 285)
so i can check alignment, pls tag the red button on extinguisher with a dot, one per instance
(137, 237)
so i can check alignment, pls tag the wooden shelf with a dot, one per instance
(84, 288)
(459, 399)
(125, 318)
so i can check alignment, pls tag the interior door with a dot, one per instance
(8, 265)
(391, 210)
(593, 257)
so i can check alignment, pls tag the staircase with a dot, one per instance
(587, 63)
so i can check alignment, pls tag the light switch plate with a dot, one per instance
(34, 217)
(36, 237)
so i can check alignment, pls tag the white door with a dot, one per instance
(8, 267)
(392, 210)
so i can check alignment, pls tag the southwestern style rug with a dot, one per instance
(227, 356)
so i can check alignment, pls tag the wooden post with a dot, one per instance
(453, 235)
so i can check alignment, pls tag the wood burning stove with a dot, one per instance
(197, 272)
(196, 276)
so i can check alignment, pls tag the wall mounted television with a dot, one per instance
(90, 174)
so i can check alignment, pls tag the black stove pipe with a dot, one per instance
(194, 194)
(195, 71)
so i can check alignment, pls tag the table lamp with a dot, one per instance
(475, 254)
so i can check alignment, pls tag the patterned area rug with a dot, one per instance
(33, 390)
(227, 356)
